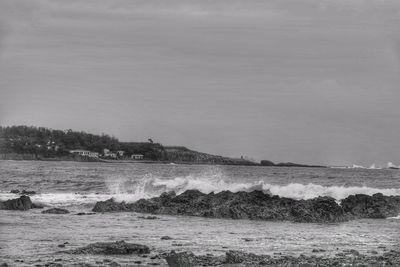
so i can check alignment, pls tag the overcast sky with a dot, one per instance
(310, 81)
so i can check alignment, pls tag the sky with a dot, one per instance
(308, 81)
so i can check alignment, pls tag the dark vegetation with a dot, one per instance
(287, 164)
(35, 143)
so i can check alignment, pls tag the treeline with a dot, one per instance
(27, 142)
(52, 143)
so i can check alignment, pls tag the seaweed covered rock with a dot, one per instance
(56, 211)
(255, 205)
(109, 205)
(375, 206)
(239, 258)
(182, 259)
(188, 259)
(112, 248)
(21, 203)
(235, 257)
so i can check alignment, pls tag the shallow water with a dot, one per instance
(31, 236)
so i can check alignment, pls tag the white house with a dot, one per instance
(85, 153)
(108, 153)
(137, 156)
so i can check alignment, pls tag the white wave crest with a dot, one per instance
(154, 186)
(147, 186)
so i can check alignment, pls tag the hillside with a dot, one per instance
(39, 143)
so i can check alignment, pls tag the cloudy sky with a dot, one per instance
(311, 81)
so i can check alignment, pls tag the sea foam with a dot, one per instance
(129, 190)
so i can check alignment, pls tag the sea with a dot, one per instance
(30, 238)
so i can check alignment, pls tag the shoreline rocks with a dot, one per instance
(56, 211)
(257, 205)
(22, 203)
(239, 258)
(376, 206)
(112, 248)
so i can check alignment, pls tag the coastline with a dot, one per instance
(32, 157)
(210, 229)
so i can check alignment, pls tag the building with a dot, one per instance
(120, 153)
(108, 154)
(84, 153)
(137, 156)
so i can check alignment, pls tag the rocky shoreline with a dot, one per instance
(239, 258)
(143, 255)
(257, 205)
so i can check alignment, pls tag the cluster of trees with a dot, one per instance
(47, 142)
(40, 142)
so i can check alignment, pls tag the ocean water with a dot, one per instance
(29, 237)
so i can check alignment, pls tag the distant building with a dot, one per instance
(120, 153)
(85, 153)
(137, 156)
(109, 154)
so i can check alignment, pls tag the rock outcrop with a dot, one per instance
(254, 205)
(239, 258)
(375, 206)
(188, 259)
(56, 211)
(21, 203)
(257, 205)
(112, 248)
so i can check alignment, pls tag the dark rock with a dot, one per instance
(61, 246)
(182, 259)
(166, 237)
(255, 205)
(15, 191)
(235, 257)
(21, 203)
(267, 163)
(109, 206)
(375, 206)
(113, 248)
(85, 213)
(27, 192)
(238, 258)
(189, 259)
(148, 217)
(56, 211)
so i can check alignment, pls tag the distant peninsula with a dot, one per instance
(40, 143)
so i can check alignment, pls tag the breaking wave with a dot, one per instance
(147, 186)
(216, 182)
